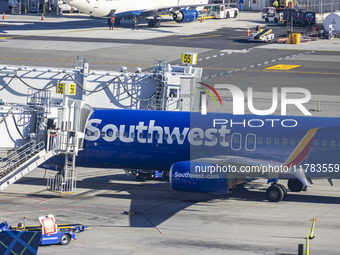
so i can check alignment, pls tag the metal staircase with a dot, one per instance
(22, 161)
(158, 101)
(65, 181)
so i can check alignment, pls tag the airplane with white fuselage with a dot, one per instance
(182, 10)
(215, 152)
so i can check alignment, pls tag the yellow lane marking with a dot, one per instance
(282, 67)
(268, 71)
(198, 37)
(55, 33)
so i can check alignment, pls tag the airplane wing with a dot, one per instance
(168, 9)
(251, 167)
(254, 168)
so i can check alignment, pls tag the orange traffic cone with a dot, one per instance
(42, 16)
(248, 32)
(3, 15)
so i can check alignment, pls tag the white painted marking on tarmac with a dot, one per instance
(279, 59)
(200, 59)
(222, 54)
(244, 68)
(265, 63)
(274, 60)
(207, 58)
(236, 51)
(215, 56)
(251, 66)
(259, 64)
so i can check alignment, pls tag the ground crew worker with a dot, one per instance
(110, 22)
(275, 4)
(134, 23)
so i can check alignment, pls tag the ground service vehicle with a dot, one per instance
(51, 233)
(223, 12)
(269, 14)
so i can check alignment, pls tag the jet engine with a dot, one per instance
(200, 177)
(185, 16)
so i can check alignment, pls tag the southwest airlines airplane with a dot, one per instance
(215, 152)
(182, 10)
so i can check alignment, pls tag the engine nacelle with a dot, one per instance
(185, 15)
(184, 177)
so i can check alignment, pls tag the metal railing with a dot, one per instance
(58, 183)
(20, 156)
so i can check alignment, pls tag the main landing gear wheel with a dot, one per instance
(295, 185)
(284, 190)
(117, 22)
(275, 193)
(155, 23)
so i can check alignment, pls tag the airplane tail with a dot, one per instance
(300, 154)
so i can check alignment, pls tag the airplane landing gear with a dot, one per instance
(155, 23)
(117, 22)
(276, 192)
(295, 185)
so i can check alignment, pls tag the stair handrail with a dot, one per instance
(23, 155)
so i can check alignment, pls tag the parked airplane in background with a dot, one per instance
(215, 152)
(182, 10)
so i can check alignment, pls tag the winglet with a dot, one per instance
(300, 154)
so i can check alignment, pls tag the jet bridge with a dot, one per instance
(44, 111)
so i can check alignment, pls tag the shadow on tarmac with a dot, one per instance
(160, 202)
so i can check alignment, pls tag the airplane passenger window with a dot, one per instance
(333, 144)
(236, 139)
(292, 142)
(149, 136)
(276, 141)
(173, 137)
(88, 133)
(269, 140)
(284, 141)
(133, 135)
(110, 134)
(117, 134)
(181, 137)
(156, 136)
(141, 135)
(316, 143)
(259, 140)
(125, 134)
(250, 140)
(166, 136)
(324, 143)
